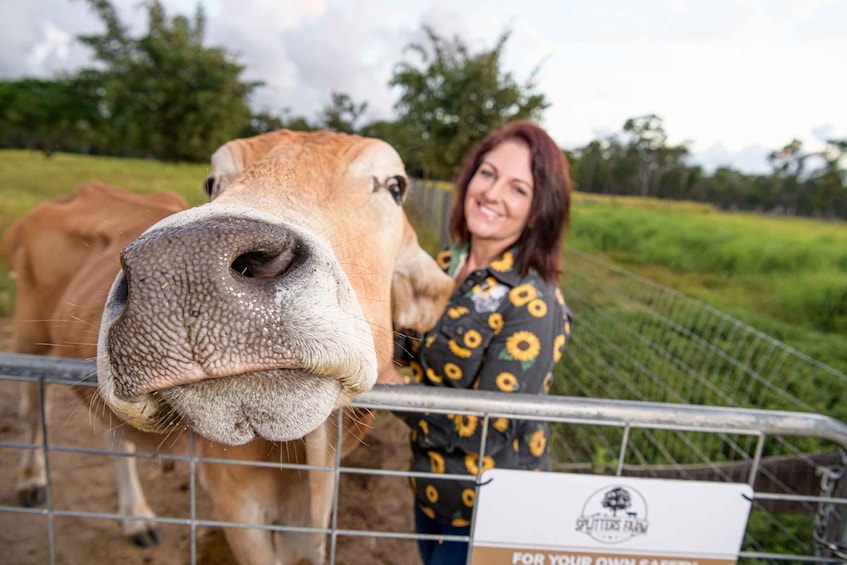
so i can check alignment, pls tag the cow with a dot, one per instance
(255, 318)
(64, 256)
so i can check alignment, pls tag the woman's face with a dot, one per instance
(499, 195)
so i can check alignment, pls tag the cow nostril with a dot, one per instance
(260, 264)
(121, 291)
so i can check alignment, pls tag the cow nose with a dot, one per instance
(221, 281)
(263, 264)
(226, 250)
(178, 273)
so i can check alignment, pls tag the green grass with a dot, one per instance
(728, 244)
(29, 178)
(791, 270)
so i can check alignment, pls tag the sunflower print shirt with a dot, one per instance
(499, 332)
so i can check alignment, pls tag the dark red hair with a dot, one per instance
(549, 215)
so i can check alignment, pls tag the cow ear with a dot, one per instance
(227, 163)
(420, 289)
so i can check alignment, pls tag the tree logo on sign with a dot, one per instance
(614, 514)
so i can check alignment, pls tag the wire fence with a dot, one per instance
(638, 340)
(821, 542)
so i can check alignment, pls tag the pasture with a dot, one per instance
(28, 178)
(787, 277)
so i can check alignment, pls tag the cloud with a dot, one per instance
(305, 54)
(37, 39)
(824, 133)
(752, 159)
(734, 73)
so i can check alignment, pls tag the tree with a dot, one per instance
(260, 123)
(617, 499)
(789, 161)
(648, 142)
(263, 122)
(342, 113)
(636, 161)
(168, 96)
(53, 115)
(830, 180)
(407, 144)
(789, 164)
(453, 98)
(592, 170)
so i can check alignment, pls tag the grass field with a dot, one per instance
(793, 269)
(784, 276)
(28, 178)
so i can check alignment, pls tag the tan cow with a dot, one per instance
(253, 318)
(64, 256)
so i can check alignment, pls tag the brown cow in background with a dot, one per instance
(64, 256)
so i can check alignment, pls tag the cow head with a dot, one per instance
(262, 311)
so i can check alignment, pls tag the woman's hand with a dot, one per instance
(391, 376)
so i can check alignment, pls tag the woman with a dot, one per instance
(504, 328)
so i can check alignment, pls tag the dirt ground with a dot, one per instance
(85, 483)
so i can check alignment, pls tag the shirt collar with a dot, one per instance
(503, 268)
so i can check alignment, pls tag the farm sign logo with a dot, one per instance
(613, 515)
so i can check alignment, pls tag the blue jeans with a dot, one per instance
(435, 552)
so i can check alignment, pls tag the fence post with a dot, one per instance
(446, 204)
(426, 201)
(835, 515)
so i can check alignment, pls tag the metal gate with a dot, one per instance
(744, 435)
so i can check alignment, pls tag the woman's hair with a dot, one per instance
(541, 241)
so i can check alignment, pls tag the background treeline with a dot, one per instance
(164, 95)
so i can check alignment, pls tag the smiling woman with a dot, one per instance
(498, 201)
(503, 330)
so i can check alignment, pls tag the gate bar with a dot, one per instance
(569, 409)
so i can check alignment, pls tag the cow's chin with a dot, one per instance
(277, 405)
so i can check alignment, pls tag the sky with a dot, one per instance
(733, 79)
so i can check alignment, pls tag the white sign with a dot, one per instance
(529, 518)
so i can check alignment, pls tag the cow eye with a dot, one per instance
(397, 188)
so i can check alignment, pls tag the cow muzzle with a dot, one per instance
(235, 324)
